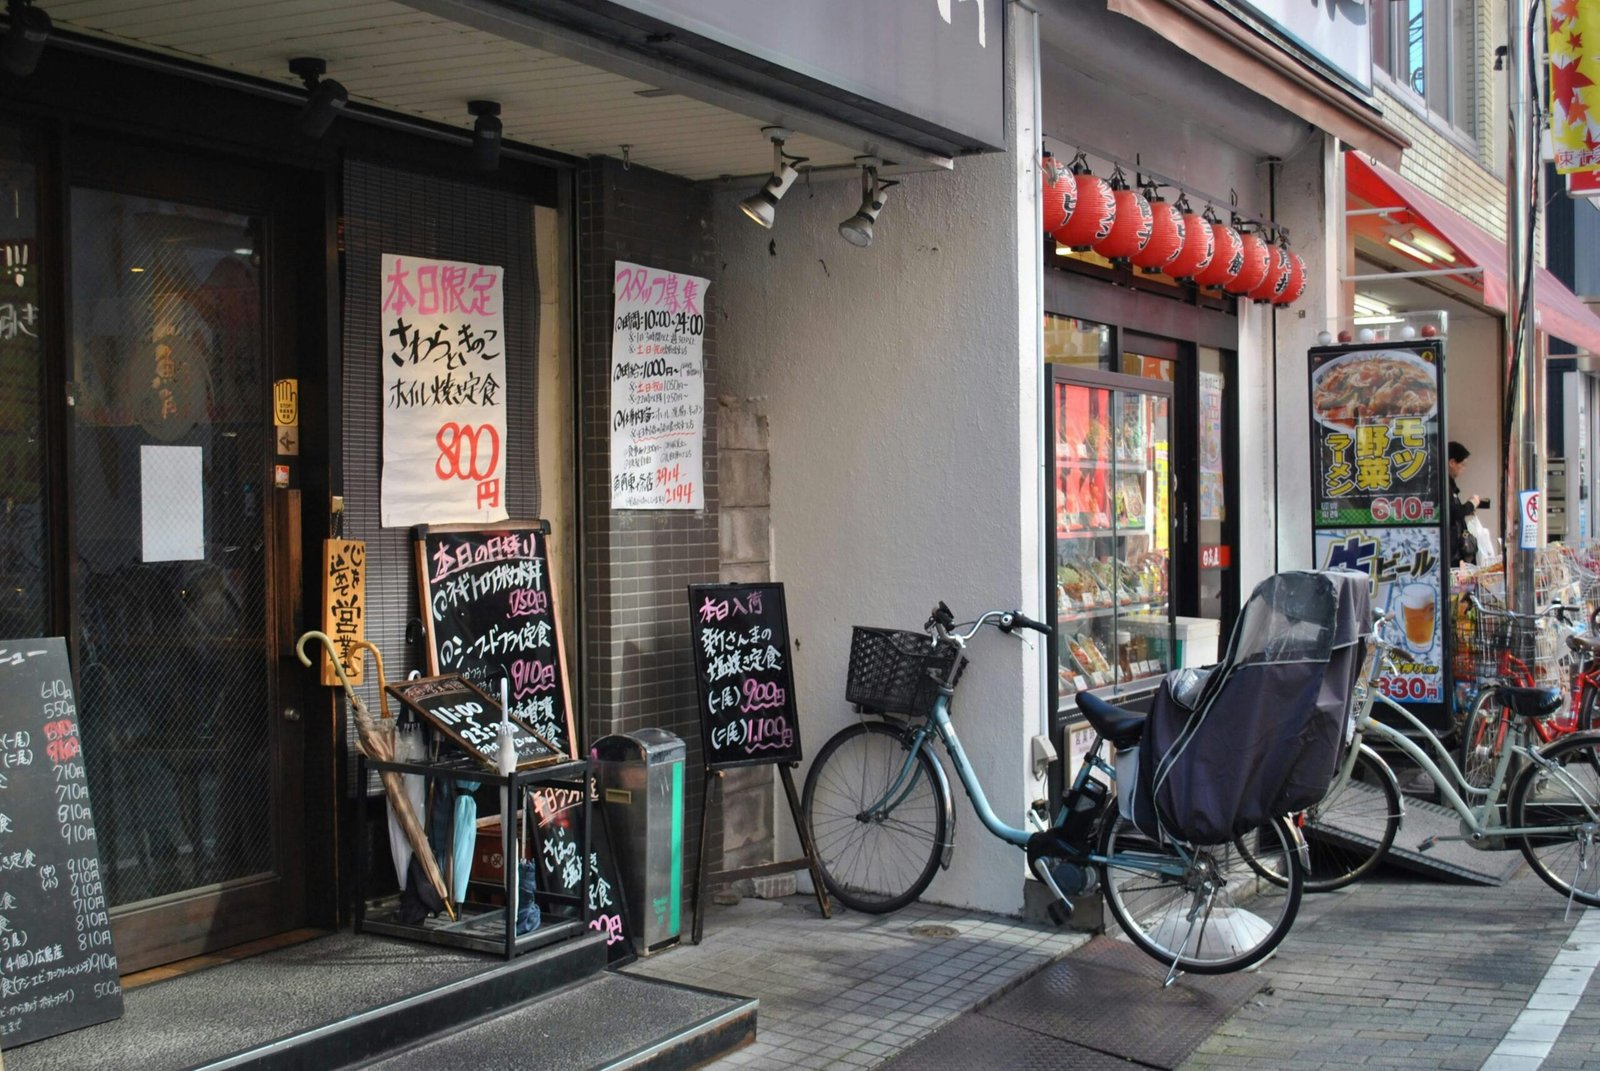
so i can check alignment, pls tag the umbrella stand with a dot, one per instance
(379, 745)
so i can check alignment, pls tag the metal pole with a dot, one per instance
(1522, 362)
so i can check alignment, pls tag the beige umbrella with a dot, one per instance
(377, 743)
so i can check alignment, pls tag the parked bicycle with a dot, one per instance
(1551, 811)
(1503, 646)
(881, 815)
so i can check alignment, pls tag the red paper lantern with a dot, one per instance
(1199, 245)
(1060, 194)
(1257, 259)
(1166, 238)
(1229, 258)
(1295, 283)
(1277, 274)
(1130, 231)
(1092, 216)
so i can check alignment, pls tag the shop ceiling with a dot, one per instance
(427, 58)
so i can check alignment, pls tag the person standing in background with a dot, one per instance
(1463, 545)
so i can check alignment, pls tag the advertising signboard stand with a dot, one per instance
(1380, 499)
(740, 634)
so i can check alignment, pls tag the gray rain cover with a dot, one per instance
(1265, 733)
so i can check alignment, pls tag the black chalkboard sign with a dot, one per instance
(558, 847)
(467, 716)
(57, 969)
(491, 615)
(740, 634)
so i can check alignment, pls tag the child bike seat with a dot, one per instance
(1529, 702)
(1122, 727)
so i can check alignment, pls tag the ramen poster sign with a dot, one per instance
(1375, 433)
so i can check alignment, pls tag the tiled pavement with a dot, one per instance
(851, 991)
(1401, 972)
(1394, 972)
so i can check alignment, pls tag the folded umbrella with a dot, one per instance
(377, 744)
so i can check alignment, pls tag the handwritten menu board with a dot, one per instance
(658, 389)
(466, 715)
(491, 615)
(57, 968)
(740, 634)
(558, 845)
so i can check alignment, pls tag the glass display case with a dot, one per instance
(1111, 497)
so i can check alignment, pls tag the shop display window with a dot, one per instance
(1111, 495)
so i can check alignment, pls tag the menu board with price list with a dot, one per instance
(57, 968)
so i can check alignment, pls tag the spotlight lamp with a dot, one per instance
(762, 206)
(325, 98)
(857, 230)
(25, 37)
(486, 134)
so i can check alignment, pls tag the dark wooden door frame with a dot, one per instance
(289, 231)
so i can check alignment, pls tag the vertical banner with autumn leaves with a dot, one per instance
(1378, 498)
(1574, 73)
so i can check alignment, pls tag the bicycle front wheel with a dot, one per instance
(1483, 737)
(876, 817)
(1562, 790)
(1208, 910)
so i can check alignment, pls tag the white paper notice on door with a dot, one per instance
(172, 503)
(658, 389)
(444, 405)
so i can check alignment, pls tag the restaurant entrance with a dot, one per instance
(178, 526)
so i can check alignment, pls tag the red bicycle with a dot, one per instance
(1503, 645)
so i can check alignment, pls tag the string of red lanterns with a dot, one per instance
(1135, 227)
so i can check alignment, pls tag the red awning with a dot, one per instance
(1561, 312)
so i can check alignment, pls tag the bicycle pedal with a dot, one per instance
(1061, 911)
(1427, 845)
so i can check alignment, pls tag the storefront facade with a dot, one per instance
(195, 403)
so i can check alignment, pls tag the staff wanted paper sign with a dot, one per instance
(444, 408)
(658, 389)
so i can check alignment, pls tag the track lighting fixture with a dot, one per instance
(857, 230)
(325, 100)
(24, 38)
(486, 134)
(762, 206)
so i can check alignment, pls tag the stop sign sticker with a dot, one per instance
(1529, 532)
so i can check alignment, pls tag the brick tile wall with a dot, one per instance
(638, 667)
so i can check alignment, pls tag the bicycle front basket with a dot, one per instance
(895, 671)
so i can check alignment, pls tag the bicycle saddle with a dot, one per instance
(1122, 727)
(1529, 702)
(1587, 646)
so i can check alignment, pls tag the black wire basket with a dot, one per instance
(895, 671)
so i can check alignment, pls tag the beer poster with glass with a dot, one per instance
(1378, 495)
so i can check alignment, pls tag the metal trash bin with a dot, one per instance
(641, 789)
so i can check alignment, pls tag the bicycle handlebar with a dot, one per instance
(942, 624)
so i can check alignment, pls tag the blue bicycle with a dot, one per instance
(882, 818)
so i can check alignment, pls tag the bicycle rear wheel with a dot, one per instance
(1563, 790)
(1483, 737)
(877, 835)
(1346, 833)
(1208, 910)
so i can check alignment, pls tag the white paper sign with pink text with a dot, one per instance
(444, 407)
